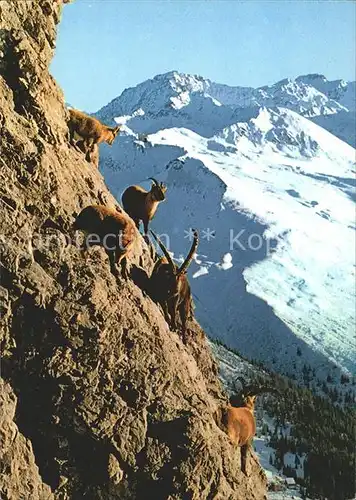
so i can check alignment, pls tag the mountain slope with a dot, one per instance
(110, 403)
(342, 124)
(338, 90)
(288, 185)
(299, 430)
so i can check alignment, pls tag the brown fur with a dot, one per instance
(90, 130)
(240, 425)
(141, 205)
(103, 221)
(169, 287)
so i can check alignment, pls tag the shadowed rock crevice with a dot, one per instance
(11, 71)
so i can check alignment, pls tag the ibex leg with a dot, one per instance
(244, 450)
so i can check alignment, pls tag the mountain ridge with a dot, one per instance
(237, 95)
(176, 90)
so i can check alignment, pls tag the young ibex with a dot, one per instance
(111, 229)
(239, 421)
(90, 131)
(169, 286)
(141, 204)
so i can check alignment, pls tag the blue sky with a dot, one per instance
(105, 46)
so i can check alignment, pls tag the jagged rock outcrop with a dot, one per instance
(110, 403)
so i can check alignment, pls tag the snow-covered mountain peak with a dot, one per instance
(283, 131)
(167, 90)
(338, 90)
(311, 78)
(182, 82)
(300, 97)
(196, 96)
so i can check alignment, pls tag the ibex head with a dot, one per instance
(250, 401)
(113, 133)
(249, 392)
(158, 190)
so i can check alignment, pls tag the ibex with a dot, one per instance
(169, 286)
(141, 204)
(90, 130)
(239, 421)
(111, 229)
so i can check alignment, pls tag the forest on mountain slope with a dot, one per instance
(320, 426)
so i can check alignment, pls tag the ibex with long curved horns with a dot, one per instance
(141, 204)
(239, 421)
(169, 285)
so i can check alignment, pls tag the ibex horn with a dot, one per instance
(164, 250)
(252, 389)
(190, 255)
(154, 180)
(242, 381)
(255, 391)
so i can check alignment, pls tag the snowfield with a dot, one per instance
(272, 195)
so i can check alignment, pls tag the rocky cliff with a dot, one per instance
(98, 398)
